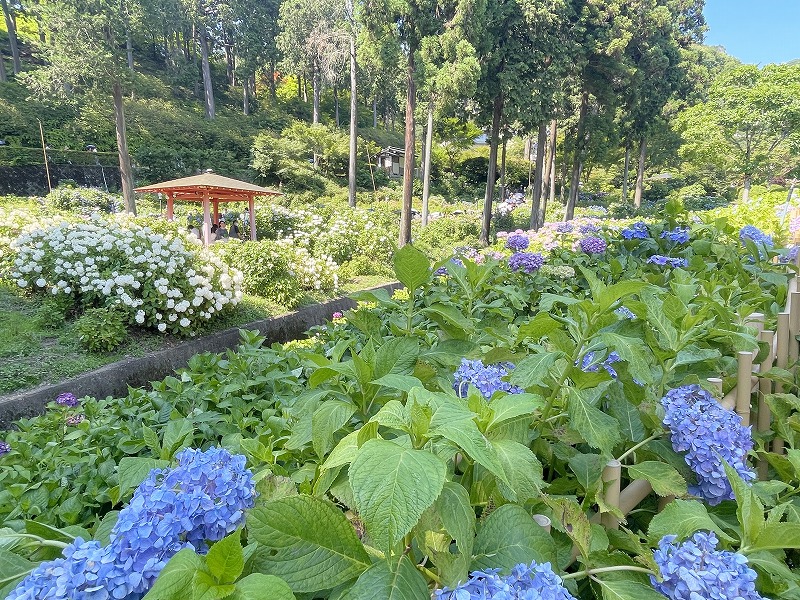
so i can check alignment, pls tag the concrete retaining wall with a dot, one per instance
(114, 379)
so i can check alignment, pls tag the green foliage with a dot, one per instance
(101, 329)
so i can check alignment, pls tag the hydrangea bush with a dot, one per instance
(525, 582)
(167, 283)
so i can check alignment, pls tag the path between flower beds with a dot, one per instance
(115, 378)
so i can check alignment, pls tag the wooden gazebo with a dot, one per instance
(210, 189)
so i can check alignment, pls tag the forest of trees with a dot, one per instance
(623, 86)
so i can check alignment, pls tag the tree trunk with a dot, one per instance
(746, 190)
(272, 91)
(351, 165)
(207, 85)
(246, 95)
(625, 173)
(11, 27)
(503, 170)
(3, 76)
(538, 178)
(577, 162)
(336, 104)
(486, 221)
(550, 169)
(129, 48)
(316, 83)
(374, 112)
(426, 184)
(230, 61)
(122, 146)
(637, 195)
(408, 162)
(526, 151)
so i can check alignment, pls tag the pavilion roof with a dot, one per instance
(216, 187)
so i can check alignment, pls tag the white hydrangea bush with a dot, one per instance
(166, 282)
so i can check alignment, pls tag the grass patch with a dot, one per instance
(32, 354)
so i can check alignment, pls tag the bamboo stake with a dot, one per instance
(543, 522)
(763, 415)
(612, 474)
(633, 494)
(744, 386)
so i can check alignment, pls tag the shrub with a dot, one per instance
(439, 237)
(101, 329)
(167, 282)
(83, 200)
(54, 310)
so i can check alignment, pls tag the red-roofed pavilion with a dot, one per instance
(210, 189)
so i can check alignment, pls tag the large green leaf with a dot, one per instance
(692, 354)
(405, 383)
(387, 580)
(574, 521)
(448, 352)
(539, 326)
(178, 434)
(509, 537)
(633, 351)
(606, 297)
(412, 267)
(307, 542)
(512, 406)
(397, 356)
(534, 370)
(466, 435)
(449, 314)
(749, 509)
(258, 586)
(12, 565)
(666, 480)
(176, 580)
(682, 518)
(329, 418)
(667, 335)
(458, 515)
(344, 452)
(778, 536)
(596, 427)
(625, 589)
(392, 487)
(225, 559)
(523, 471)
(393, 415)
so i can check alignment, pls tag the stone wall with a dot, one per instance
(31, 180)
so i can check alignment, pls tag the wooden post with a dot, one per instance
(744, 386)
(216, 212)
(170, 208)
(612, 474)
(794, 326)
(206, 219)
(251, 207)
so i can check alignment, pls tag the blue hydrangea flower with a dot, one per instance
(696, 570)
(706, 432)
(526, 261)
(564, 227)
(5, 448)
(666, 261)
(202, 499)
(637, 231)
(679, 235)
(593, 245)
(589, 363)
(67, 399)
(625, 313)
(791, 255)
(753, 233)
(525, 582)
(517, 242)
(487, 379)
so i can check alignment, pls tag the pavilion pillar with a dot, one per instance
(170, 207)
(216, 212)
(206, 219)
(251, 207)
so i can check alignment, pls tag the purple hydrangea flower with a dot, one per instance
(525, 582)
(526, 261)
(679, 235)
(625, 313)
(791, 255)
(696, 570)
(593, 245)
(750, 232)
(666, 261)
(636, 231)
(5, 448)
(67, 399)
(706, 432)
(517, 242)
(564, 227)
(75, 419)
(337, 315)
(588, 228)
(441, 271)
(487, 379)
